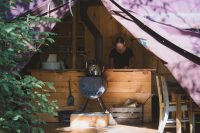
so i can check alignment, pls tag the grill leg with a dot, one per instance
(85, 105)
(102, 105)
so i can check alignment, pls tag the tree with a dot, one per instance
(22, 97)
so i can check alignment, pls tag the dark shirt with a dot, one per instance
(121, 60)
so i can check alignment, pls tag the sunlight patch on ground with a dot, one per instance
(109, 129)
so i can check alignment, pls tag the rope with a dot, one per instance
(70, 7)
(49, 9)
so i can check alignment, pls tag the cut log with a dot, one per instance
(86, 120)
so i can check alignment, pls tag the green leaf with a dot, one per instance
(41, 130)
(38, 86)
(9, 29)
(34, 130)
(5, 87)
(50, 85)
(10, 49)
(17, 117)
(16, 74)
(19, 103)
(1, 119)
(50, 40)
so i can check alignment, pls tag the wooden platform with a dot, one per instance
(57, 128)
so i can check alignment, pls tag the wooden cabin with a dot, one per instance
(90, 35)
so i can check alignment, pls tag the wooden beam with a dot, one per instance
(74, 38)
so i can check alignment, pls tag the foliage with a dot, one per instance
(20, 104)
(22, 97)
(20, 37)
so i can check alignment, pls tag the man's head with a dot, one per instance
(119, 43)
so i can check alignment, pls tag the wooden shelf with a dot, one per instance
(70, 38)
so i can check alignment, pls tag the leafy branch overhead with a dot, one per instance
(22, 97)
(21, 36)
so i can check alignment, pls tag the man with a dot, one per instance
(120, 56)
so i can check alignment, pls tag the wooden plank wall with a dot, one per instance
(60, 82)
(135, 85)
(132, 84)
(110, 29)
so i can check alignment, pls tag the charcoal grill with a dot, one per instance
(93, 88)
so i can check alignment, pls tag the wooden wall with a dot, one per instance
(110, 29)
(134, 84)
(60, 81)
(131, 83)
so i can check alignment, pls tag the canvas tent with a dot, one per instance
(163, 24)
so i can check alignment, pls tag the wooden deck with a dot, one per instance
(145, 128)
(60, 128)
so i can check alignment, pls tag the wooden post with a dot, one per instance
(191, 119)
(74, 38)
(178, 113)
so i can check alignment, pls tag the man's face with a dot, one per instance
(119, 46)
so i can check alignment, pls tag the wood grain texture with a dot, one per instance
(124, 110)
(133, 84)
(137, 87)
(110, 30)
(62, 128)
(89, 120)
(74, 34)
(127, 115)
(128, 76)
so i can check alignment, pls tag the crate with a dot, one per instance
(128, 115)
